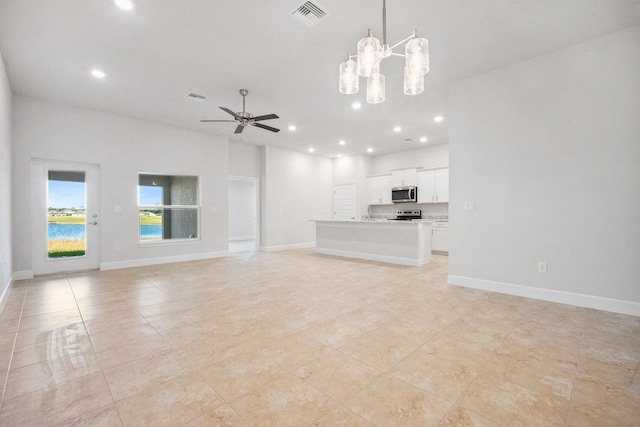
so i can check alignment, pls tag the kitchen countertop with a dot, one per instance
(376, 221)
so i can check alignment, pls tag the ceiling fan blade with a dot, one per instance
(265, 117)
(232, 121)
(239, 129)
(237, 117)
(260, 125)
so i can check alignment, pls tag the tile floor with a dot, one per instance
(299, 339)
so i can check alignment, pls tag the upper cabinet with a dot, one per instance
(379, 190)
(442, 185)
(404, 177)
(433, 186)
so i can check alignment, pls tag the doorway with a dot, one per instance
(243, 214)
(344, 201)
(65, 216)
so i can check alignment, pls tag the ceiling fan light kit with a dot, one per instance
(371, 53)
(244, 119)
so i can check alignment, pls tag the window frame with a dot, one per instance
(198, 208)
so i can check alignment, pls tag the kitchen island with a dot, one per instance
(397, 242)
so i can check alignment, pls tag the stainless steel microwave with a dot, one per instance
(404, 194)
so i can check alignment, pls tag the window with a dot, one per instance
(169, 207)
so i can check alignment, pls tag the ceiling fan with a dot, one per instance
(244, 119)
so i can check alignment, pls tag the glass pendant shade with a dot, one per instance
(369, 55)
(349, 81)
(417, 55)
(413, 82)
(375, 88)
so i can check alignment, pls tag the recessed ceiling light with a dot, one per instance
(98, 74)
(356, 105)
(423, 139)
(438, 119)
(342, 142)
(369, 150)
(339, 155)
(124, 4)
(311, 150)
(292, 127)
(397, 129)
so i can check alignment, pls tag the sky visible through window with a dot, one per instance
(70, 195)
(150, 195)
(66, 194)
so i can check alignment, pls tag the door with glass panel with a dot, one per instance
(65, 216)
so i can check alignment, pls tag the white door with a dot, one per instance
(65, 216)
(344, 201)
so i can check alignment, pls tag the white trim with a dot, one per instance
(23, 275)
(287, 247)
(148, 243)
(160, 260)
(5, 295)
(237, 239)
(562, 297)
(243, 178)
(371, 257)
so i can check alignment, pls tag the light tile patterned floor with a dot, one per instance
(299, 339)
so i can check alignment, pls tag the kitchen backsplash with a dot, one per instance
(436, 212)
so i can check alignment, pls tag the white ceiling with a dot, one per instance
(163, 49)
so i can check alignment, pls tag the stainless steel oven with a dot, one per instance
(404, 194)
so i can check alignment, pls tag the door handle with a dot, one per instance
(94, 223)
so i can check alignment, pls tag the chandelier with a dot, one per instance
(371, 53)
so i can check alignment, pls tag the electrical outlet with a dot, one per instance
(469, 206)
(542, 267)
(117, 209)
(116, 248)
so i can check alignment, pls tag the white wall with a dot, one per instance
(242, 209)
(123, 147)
(296, 188)
(6, 251)
(244, 159)
(433, 156)
(549, 151)
(354, 170)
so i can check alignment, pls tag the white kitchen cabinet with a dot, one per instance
(442, 185)
(433, 186)
(379, 190)
(426, 186)
(440, 237)
(404, 177)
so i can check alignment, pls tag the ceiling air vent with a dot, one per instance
(196, 97)
(309, 13)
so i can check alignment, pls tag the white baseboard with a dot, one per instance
(5, 294)
(160, 260)
(239, 239)
(23, 275)
(371, 257)
(562, 297)
(287, 247)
